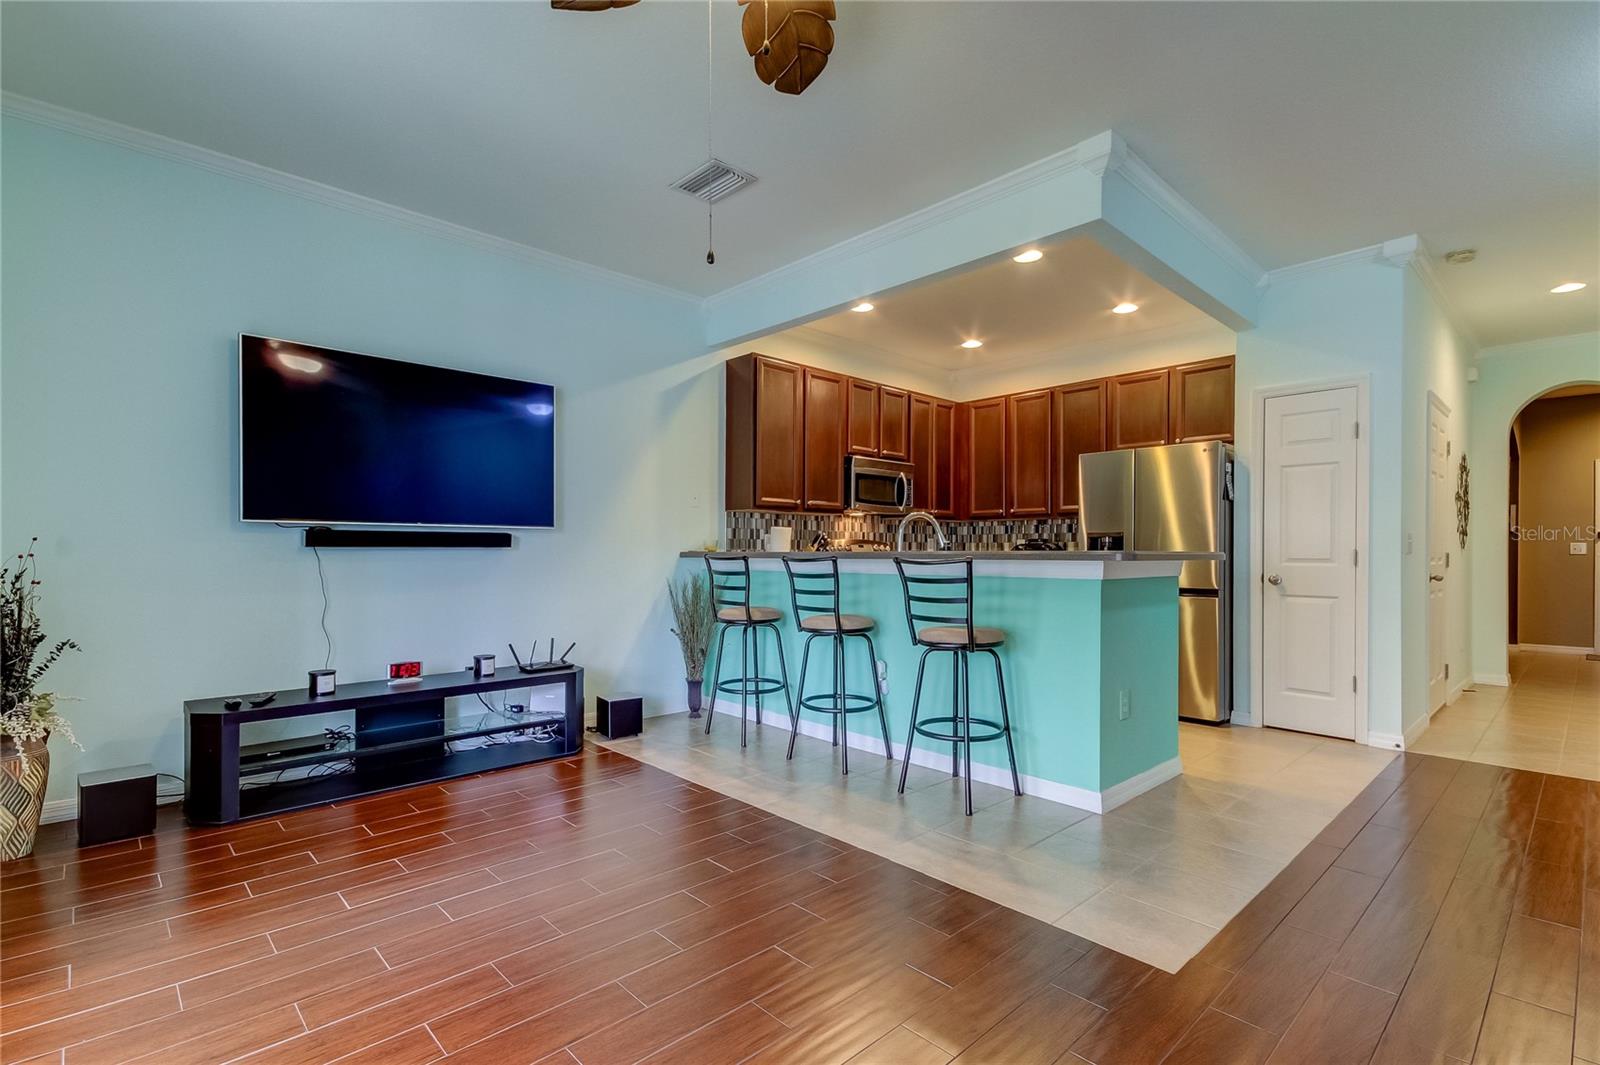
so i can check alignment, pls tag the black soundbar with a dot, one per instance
(322, 536)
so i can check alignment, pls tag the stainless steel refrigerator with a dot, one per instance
(1174, 498)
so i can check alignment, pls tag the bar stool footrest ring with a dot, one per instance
(954, 736)
(824, 704)
(751, 686)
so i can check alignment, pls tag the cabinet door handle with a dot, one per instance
(1436, 578)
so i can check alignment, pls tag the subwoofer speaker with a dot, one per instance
(619, 715)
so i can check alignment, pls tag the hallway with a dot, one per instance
(1547, 721)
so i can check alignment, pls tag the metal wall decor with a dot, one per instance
(1463, 500)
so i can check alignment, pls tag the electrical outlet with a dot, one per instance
(1124, 705)
(883, 677)
(1578, 547)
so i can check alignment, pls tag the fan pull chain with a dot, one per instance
(711, 252)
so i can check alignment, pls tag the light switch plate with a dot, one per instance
(1578, 547)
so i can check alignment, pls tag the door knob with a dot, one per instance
(1437, 578)
(1274, 579)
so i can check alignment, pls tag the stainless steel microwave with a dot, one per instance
(877, 486)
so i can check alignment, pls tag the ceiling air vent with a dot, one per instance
(713, 180)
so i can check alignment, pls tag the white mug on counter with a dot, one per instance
(780, 538)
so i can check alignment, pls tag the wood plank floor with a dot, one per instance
(601, 911)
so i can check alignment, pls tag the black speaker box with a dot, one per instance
(618, 716)
(116, 804)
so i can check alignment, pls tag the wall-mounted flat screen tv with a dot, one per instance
(335, 438)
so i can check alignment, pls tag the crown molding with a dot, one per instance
(1422, 263)
(103, 129)
(1123, 161)
(1407, 252)
(1019, 180)
(1372, 253)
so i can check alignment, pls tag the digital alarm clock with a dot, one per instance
(405, 672)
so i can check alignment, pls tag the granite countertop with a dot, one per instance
(1009, 556)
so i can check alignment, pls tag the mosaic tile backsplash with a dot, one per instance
(746, 530)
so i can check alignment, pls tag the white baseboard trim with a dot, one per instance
(1134, 786)
(59, 810)
(1097, 802)
(1555, 649)
(1417, 728)
(1387, 741)
(1495, 680)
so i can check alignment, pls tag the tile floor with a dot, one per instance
(1156, 878)
(1547, 721)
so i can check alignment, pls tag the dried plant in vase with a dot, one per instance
(28, 715)
(693, 620)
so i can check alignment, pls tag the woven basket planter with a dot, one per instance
(24, 774)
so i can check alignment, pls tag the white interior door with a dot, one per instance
(1308, 632)
(1441, 528)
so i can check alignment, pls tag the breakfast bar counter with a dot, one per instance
(1091, 660)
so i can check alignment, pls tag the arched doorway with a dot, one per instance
(1553, 454)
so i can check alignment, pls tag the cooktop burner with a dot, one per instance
(1038, 544)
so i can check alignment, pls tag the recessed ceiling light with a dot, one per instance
(1032, 255)
(862, 308)
(1125, 308)
(972, 343)
(1569, 286)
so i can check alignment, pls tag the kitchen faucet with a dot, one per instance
(938, 530)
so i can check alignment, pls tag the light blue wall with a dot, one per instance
(1436, 360)
(126, 279)
(1509, 378)
(1341, 322)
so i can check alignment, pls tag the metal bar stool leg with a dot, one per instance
(755, 658)
(805, 661)
(783, 668)
(716, 678)
(744, 681)
(966, 728)
(877, 695)
(911, 731)
(841, 722)
(955, 710)
(1005, 721)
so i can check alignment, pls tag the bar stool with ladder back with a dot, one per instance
(730, 598)
(814, 592)
(938, 595)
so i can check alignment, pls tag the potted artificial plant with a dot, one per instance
(693, 621)
(27, 715)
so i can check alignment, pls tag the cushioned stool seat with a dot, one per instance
(739, 615)
(847, 623)
(956, 636)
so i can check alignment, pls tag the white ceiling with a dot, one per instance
(1021, 311)
(1301, 129)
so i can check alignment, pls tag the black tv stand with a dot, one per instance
(399, 737)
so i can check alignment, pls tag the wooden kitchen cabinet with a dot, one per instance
(947, 473)
(1138, 409)
(863, 418)
(1028, 466)
(986, 458)
(824, 434)
(894, 423)
(1202, 401)
(1080, 429)
(765, 410)
(920, 451)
